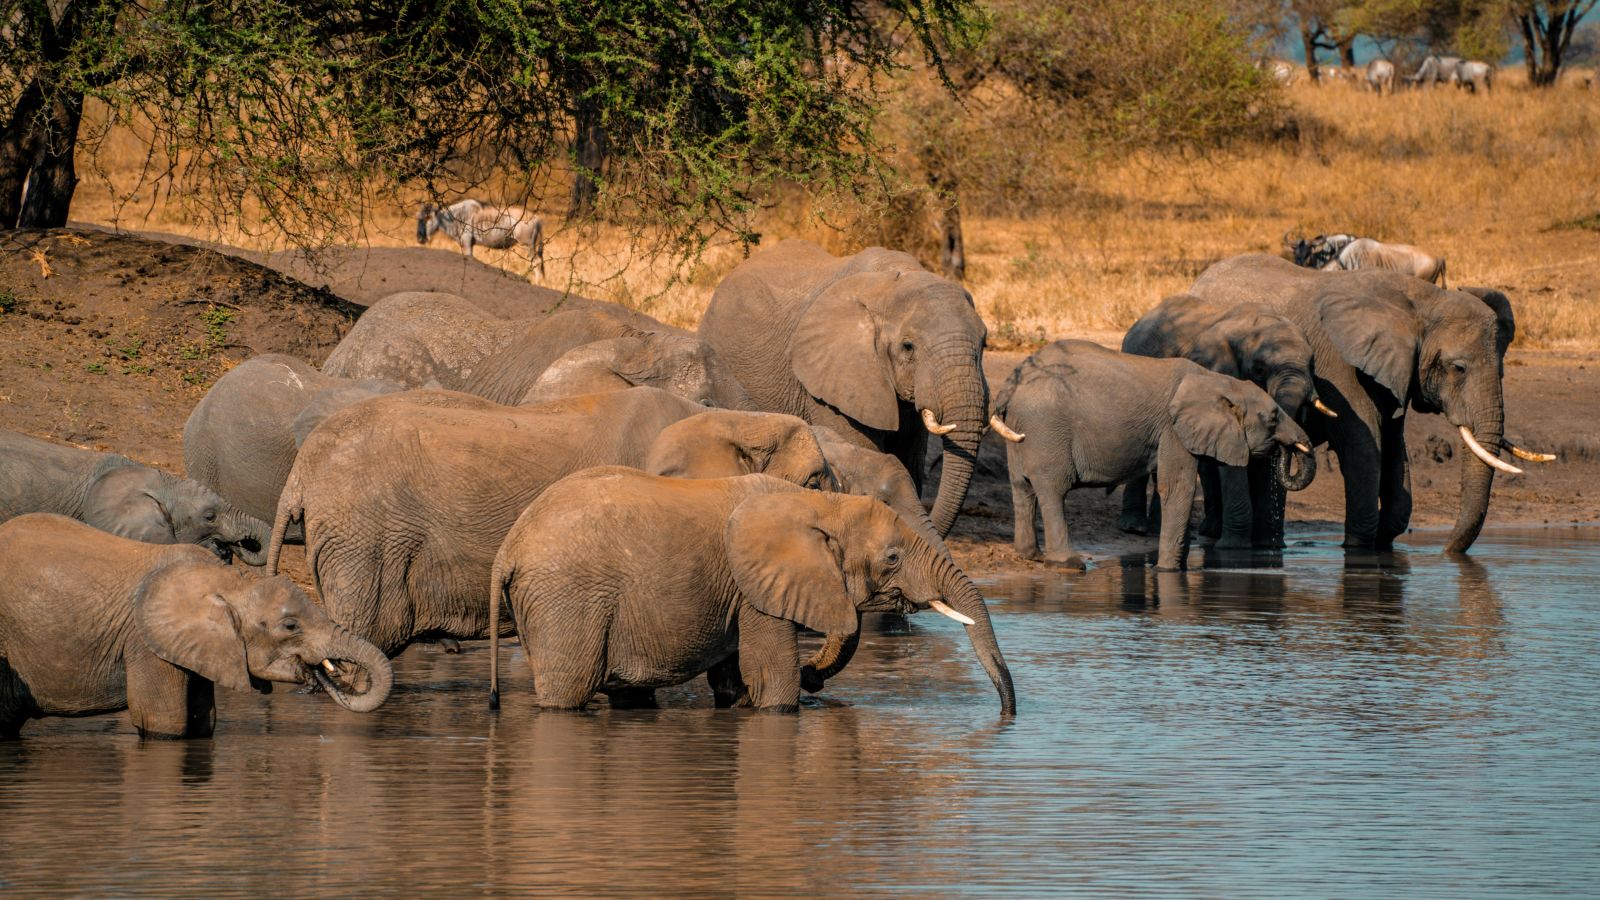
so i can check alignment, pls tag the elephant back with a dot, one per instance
(414, 337)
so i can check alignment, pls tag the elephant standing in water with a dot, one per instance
(715, 578)
(242, 436)
(870, 345)
(1252, 343)
(1382, 341)
(92, 623)
(1076, 414)
(405, 498)
(116, 494)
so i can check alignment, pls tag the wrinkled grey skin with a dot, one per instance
(117, 495)
(92, 623)
(860, 344)
(1094, 417)
(1253, 343)
(716, 578)
(404, 498)
(508, 374)
(1383, 342)
(241, 438)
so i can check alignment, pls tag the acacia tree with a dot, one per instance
(1325, 25)
(671, 114)
(1547, 27)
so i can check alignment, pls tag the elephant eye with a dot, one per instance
(211, 515)
(891, 559)
(290, 625)
(907, 346)
(1460, 368)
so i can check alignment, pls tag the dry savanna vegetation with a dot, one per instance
(1505, 186)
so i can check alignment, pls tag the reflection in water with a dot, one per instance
(1403, 723)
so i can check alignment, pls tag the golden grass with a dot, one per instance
(1487, 181)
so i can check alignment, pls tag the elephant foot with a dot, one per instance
(1070, 561)
(1209, 529)
(1028, 553)
(1235, 542)
(1132, 524)
(449, 645)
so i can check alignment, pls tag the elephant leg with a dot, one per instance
(568, 659)
(1394, 491)
(164, 701)
(1024, 507)
(1232, 484)
(1218, 518)
(1267, 498)
(632, 697)
(727, 687)
(1176, 473)
(1134, 518)
(16, 707)
(1053, 511)
(769, 661)
(1361, 465)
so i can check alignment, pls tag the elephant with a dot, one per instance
(1077, 414)
(404, 498)
(93, 623)
(241, 438)
(1249, 342)
(117, 495)
(416, 337)
(870, 345)
(716, 578)
(1382, 341)
(589, 350)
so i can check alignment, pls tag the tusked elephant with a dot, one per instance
(715, 578)
(117, 495)
(1077, 414)
(1381, 342)
(404, 498)
(93, 623)
(1246, 341)
(870, 345)
(242, 436)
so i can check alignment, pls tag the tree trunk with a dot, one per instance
(1545, 39)
(54, 177)
(17, 150)
(952, 246)
(589, 151)
(1347, 54)
(1308, 39)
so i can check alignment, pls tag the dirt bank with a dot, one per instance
(109, 340)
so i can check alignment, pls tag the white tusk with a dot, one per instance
(1004, 430)
(1528, 455)
(1302, 447)
(1486, 456)
(1323, 408)
(328, 664)
(943, 608)
(932, 424)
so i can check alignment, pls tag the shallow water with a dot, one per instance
(1406, 724)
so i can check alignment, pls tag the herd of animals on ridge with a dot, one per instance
(651, 504)
(1380, 76)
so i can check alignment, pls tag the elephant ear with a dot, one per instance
(1212, 350)
(1208, 417)
(1505, 322)
(786, 563)
(186, 622)
(1376, 337)
(837, 356)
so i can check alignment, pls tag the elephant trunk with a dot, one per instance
(247, 536)
(963, 410)
(1291, 390)
(830, 659)
(1292, 480)
(1477, 477)
(961, 595)
(346, 647)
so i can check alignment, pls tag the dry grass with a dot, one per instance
(1487, 181)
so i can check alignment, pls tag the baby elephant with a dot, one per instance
(92, 623)
(1076, 414)
(116, 494)
(714, 576)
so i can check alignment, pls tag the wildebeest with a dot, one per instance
(1474, 75)
(1435, 70)
(1380, 76)
(496, 227)
(1346, 251)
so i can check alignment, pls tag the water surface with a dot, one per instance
(1323, 725)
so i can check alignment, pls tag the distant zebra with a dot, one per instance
(496, 227)
(1345, 251)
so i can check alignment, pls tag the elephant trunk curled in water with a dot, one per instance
(93, 623)
(870, 345)
(117, 495)
(716, 582)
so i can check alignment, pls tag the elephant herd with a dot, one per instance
(641, 505)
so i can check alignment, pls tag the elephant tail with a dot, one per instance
(499, 580)
(291, 508)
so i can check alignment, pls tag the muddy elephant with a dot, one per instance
(716, 578)
(241, 438)
(117, 495)
(93, 623)
(870, 345)
(1246, 341)
(1080, 415)
(416, 337)
(405, 498)
(1383, 342)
